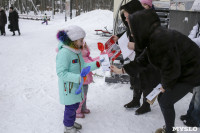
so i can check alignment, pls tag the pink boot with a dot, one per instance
(80, 115)
(86, 110)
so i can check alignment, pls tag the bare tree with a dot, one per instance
(78, 5)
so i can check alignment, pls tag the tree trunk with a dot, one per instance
(61, 6)
(77, 8)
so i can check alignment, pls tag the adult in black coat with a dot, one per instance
(147, 78)
(14, 21)
(125, 10)
(175, 55)
(192, 118)
(3, 21)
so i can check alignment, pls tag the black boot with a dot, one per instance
(163, 130)
(190, 122)
(135, 103)
(143, 109)
(145, 106)
(13, 33)
(184, 117)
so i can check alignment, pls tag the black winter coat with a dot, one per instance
(3, 18)
(174, 54)
(148, 76)
(14, 19)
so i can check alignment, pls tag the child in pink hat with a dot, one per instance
(82, 109)
(147, 4)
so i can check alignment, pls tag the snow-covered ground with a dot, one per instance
(29, 101)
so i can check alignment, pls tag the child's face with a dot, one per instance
(85, 45)
(79, 43)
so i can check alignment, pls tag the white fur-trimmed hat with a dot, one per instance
(75, 32)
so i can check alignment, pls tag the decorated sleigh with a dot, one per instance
(105, 33)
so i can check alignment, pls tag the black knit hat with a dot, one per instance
(132, 6)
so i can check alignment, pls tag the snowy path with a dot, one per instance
(29, 100)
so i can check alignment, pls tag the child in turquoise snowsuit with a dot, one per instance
(69, 63)
(45, 20)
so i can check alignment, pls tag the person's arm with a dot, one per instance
(138, 65)
(170, 68)
(117, 70)
(89, 57)
(134, 67)
(94, 65)
(95, 59)
(193, 32)
(119, 35)
(116, 37)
